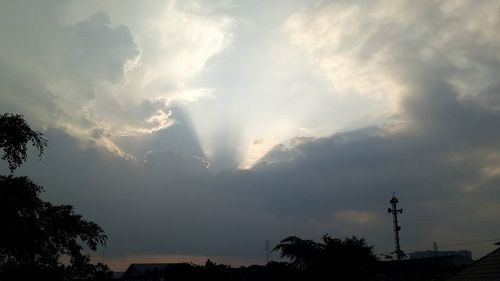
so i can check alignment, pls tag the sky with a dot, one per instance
(200, 129)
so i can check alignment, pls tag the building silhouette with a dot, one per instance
(486, 268)
(429, 254)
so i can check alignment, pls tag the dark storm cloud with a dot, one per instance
(166, 204)
(172, 203)
(442, 162)
(442, 151)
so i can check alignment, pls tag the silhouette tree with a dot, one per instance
(39, 240)
(15, 134)
(338, 259)
(303, 254)
(348, 258)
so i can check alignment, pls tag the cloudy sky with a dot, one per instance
(195, 129)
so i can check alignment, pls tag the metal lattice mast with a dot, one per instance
(394, 211)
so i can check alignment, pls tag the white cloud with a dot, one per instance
(370, 48)
(98, 74)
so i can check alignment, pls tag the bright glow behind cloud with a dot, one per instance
(367, 48)
(117, 68)
(175, 43)
(249, 80)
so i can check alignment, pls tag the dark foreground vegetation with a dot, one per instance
(279, 271)
(39, 240)
(329, 259)
(42, 241)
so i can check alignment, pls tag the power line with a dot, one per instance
(458, 244)
(470, 243)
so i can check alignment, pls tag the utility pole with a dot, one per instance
(267, 251)
(394, 211)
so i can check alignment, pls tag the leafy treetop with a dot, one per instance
(39, 240)
(340, 259)
(15, 134)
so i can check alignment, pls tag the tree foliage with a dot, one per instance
(15, 134)
(39, 240)
(303, 254)
(342, 259)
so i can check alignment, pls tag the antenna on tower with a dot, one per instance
(267, 251)
(394, 211)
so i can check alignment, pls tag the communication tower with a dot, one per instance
(395, 211)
